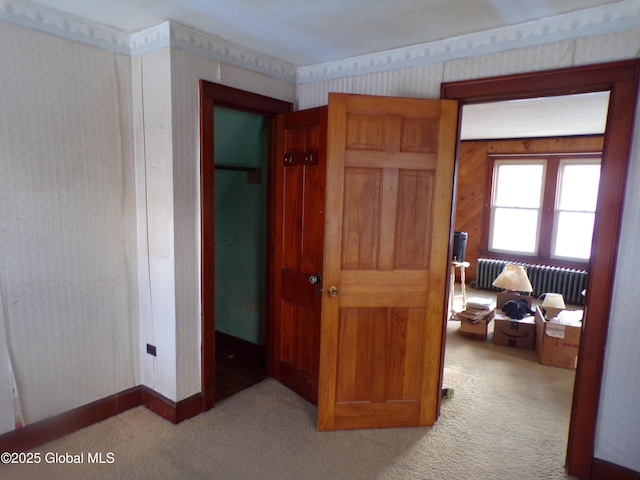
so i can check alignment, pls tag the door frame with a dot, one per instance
(621, 79)
(216, 95)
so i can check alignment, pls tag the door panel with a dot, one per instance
(298, 249)
(390, 171)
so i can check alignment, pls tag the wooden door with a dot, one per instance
(390, 171)
(299, 230)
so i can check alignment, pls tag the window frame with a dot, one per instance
(546, 227)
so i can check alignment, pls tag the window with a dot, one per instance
(544, 206)
(515, 206)
(575, 208)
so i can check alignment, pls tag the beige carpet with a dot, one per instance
(508, 419)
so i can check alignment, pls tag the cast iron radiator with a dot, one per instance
(567, 281)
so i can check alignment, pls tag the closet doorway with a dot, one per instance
(236, 154)
(240, 187)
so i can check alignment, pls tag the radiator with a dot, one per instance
(567, 281)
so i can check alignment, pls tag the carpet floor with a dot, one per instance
(508, 419)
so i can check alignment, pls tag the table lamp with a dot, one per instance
(513, 278)
(554, 300)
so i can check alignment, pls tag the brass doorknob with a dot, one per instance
(333, 292)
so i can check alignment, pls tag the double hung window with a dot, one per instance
(544, 206)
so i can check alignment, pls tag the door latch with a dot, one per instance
(316, 280)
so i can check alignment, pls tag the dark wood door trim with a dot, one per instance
(212, 94)
(621, 79)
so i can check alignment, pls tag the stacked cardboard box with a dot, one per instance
(476, 317)
(510, 332)
(553, 332)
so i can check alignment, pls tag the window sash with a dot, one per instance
(573, 227)
(573, 233)
(514, 230)
(514, 227)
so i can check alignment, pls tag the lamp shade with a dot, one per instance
(553, 300)
(513, 277)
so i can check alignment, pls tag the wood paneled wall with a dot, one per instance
(474, 175)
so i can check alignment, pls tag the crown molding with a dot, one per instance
(591, 22)
(601, 20)
(215, 48)
(150, 40)
(34, 17)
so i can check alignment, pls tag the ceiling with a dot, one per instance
(310, 32)
(583, 114)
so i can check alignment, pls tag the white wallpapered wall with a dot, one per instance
(158, 184)
(618, 430)
(618, 435)
(67, 227)
(187, 70)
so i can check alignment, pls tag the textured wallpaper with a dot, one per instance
(67, 231)
(186, 70)
(618, 431)
(157, 183)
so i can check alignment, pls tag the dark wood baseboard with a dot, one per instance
(603, 470)
(44, 431)
(174, 412)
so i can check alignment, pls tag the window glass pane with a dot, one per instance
(579, 187)
(518, 186)
(514, 230)
(573, 235)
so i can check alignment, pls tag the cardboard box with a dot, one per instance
(502, 298)
(508, 332)
(556, 343)
(478, 329)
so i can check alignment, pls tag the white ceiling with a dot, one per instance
(309, 32)
(584, 114)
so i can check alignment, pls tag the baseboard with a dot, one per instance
(44, 431)
(603, 470)
(174, 412)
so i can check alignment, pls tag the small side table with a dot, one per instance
(461, 266)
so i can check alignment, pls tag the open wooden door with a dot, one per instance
(390, 172)
(299, 199)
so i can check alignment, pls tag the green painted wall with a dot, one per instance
(240, 225)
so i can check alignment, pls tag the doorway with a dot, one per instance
(523, 135)
(621, 79)
(262, 111)
(240, 189)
